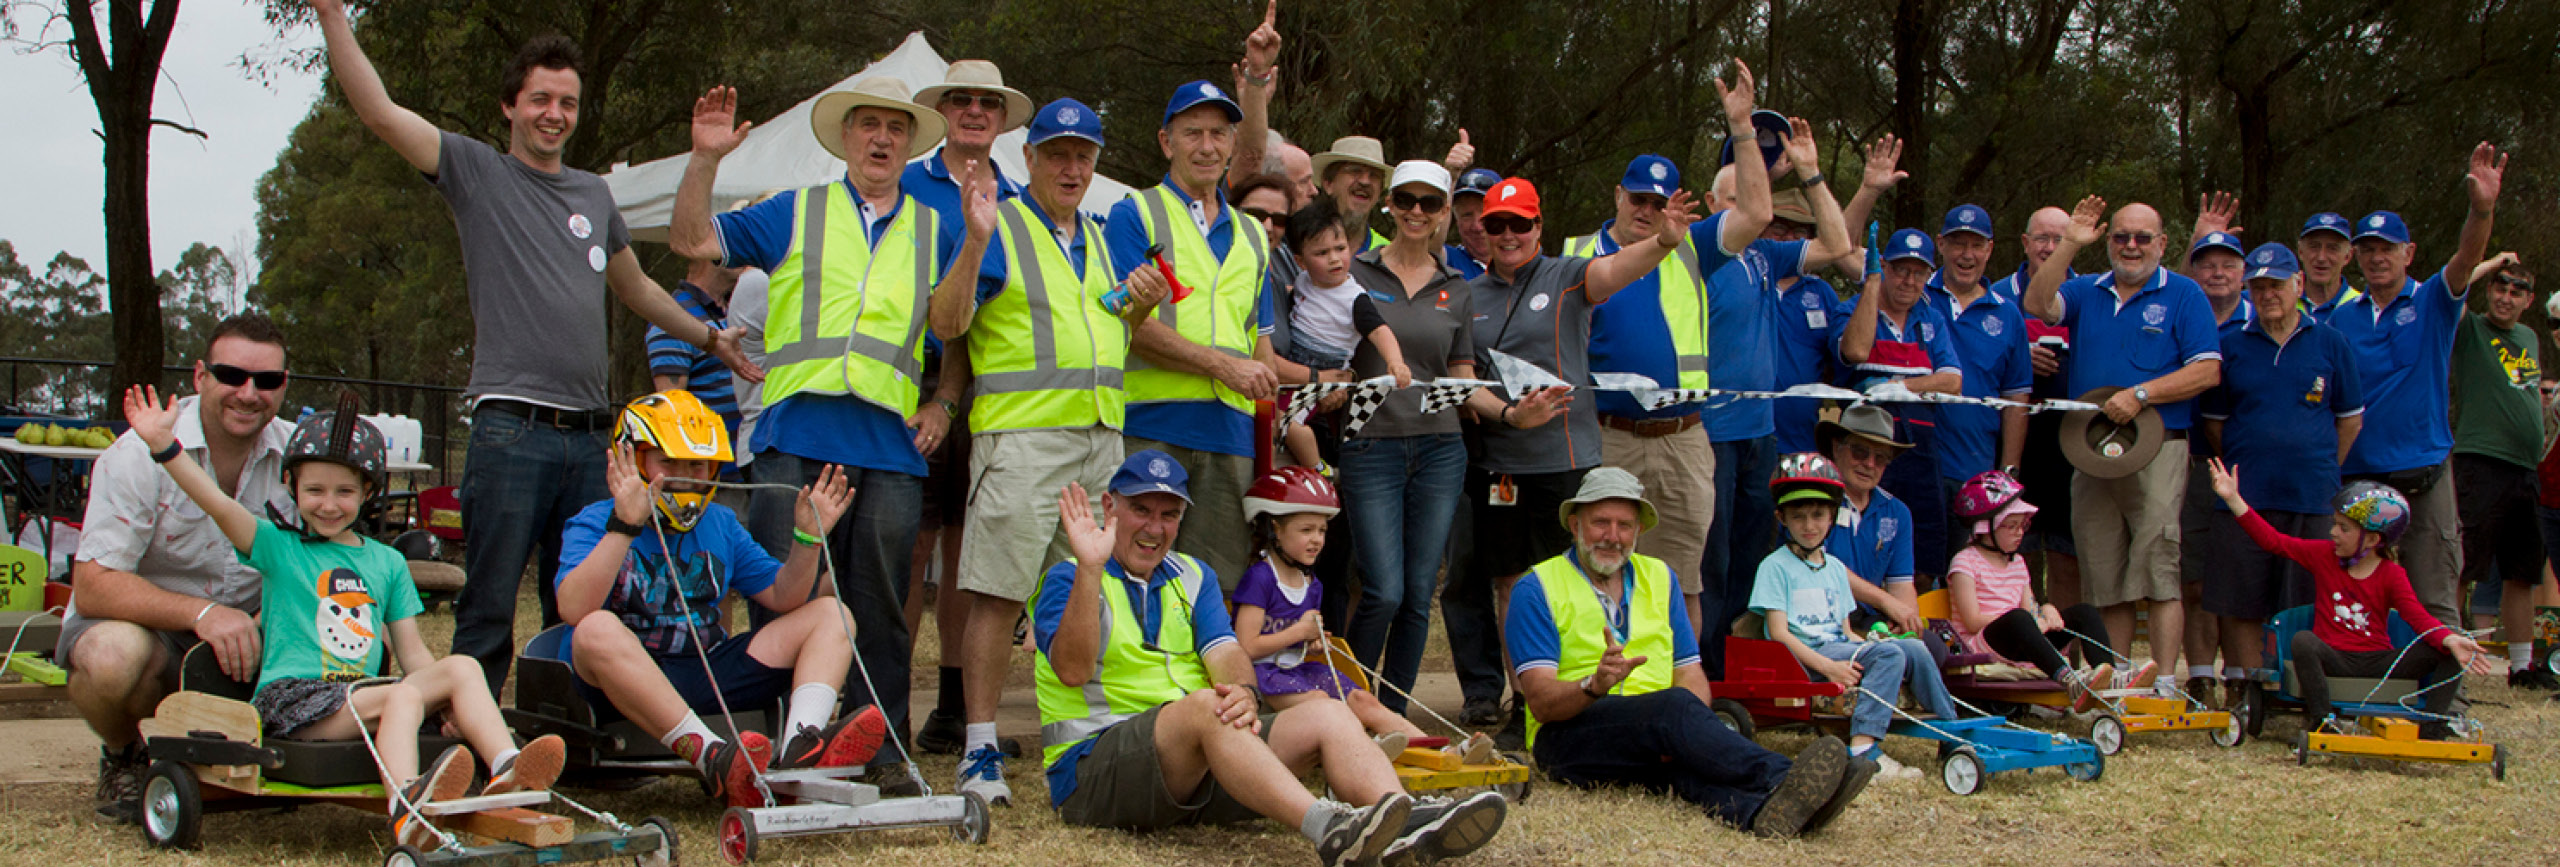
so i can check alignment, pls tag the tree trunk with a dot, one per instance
(1914, 50)
(2258, 157)
(122, 69)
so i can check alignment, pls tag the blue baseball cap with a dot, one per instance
(1151, 472)
(1773, 131)
(2325, 221)
(1651, 174)
(1477, 182)
(1199, 93)
(1066, 117)
(1911, 244)
(1967, 218)
(2382, 224)
(2217, 241)
(2273, 261)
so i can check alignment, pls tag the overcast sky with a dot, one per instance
(201, 189)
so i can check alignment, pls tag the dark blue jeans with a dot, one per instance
(1663, 740)
(1745, 531)
(1400, 494)
(869, 552)
(521, 483)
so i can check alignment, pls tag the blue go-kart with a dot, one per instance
(2390, 709)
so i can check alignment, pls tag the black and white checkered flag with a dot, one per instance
(1365, 397)
(1364, 403)
(1441, 395)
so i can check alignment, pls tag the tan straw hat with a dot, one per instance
(826, 119)
(1356, 149)
(978, 75)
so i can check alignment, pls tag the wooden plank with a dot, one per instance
(184, 712)
(1429, 759)
(514, 825)
(17, 692)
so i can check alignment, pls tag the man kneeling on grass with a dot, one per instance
(1149, 720)
(1603, 653)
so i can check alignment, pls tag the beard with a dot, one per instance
(1605, 558)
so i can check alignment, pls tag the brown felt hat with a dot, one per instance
(2107, 450)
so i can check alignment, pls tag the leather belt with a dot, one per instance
(1650, 427)
(564, 419)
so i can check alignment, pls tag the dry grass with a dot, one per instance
(2172, 799)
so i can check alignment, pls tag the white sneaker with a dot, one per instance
(1393, 744)
(983, 773)
(1888, 769)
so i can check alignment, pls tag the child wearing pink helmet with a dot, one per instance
(1992, 595)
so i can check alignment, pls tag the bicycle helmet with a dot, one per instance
(1989, 498)
(1805, 475)
(676, 423)
(340, 437)
(2376, 507)
(1291, 491)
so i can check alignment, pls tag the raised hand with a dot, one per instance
(2088, 222)
(1738, 98)
(1803, 153)
(978, 201)
(2214, 213)
(1262, 46)
(1540, 406)
(2226, 479)
(716, 128)
(1883, 155)
(327, 9)
(1677, 216)
(2488, 172)
(154, 421)
(822, 503)
(1461, 155)
(1614, 667)
(631, 494)
(1091, 542)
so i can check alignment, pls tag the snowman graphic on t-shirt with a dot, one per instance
(2350, 612)
(344, 626)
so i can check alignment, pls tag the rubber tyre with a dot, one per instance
(976, 820)
(2237, 733)
(404, 856)
(2108, 733)
(172, 807)
(2087, 772)
(2302, 749)
(1735, 717)
(1962, 772)
(666, 856)
(2258, 700)
(2498, 762)
(1516, 793)
(737, 841)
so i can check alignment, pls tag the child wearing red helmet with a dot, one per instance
(1993, 597)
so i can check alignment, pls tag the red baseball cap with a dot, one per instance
(1514, 196)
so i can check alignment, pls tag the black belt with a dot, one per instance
(2167, 435)
(564, 419)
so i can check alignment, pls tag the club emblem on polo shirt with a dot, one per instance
(2405, 316)
(1928, 332)
(1538, 302)
(1809, 302)
(1442, 303)
(1885, 529)
(2154, 314)
(579, 226)
(1991, 326)
(2319, 390)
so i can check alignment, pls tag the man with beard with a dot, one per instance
(1354, 173)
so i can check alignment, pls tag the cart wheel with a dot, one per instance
(2498, 762)
(403, 856)
(2551, 662)
(2236, 732)
(2087, 772)
(1515, 793)
(666, 854)
(1962, 771)
(2302, 748)
(2107, 731)
(737, 836)
(1735, 717)
(975, 821)
(172, 807)
(2257, 699)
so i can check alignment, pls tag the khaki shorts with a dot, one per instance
(1011, 534)
(1120, 784)
(1213, 529)
(2127, 530)
(1679, 477)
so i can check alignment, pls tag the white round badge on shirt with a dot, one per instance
(595, 258)
(1538, 302)
(2154, 314)
(579, 226)
(1991, 326)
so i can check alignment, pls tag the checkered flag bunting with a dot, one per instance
(1441, 395)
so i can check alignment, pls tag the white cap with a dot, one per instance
(1423, 172)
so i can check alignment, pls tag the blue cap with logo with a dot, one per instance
(1911, 244)
(1967, 218)
(2325, 221)
(1200, 93)
(1772, 131)
(1651, 174)
(2216, 241)
(1151, 472)
(2273, 261)
(1066, 117)
(2384, 225)
(1477, 182)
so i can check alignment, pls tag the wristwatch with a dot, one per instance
(1811, 182)
(615, 524)
(1588, 691)
(2142, 393)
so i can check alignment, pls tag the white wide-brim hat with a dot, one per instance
(826, 119)
(979, 75)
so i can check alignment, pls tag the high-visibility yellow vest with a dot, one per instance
(1128, 678)
(1583, 631)
(1220, 312)
(1684, 303)
(846, 316)
(1043, 353)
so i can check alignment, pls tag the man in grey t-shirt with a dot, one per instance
(541, 245)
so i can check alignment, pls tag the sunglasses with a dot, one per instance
(1867, 454)
(1507, 224)
(1260, 214)
(1407, 201)
(986, 101)
(2138, 239)
(2506, 280)
(233, 377)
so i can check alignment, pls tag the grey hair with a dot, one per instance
(1272, 144)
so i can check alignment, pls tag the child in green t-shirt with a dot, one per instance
(329, 597)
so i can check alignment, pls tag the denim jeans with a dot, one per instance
(1400, 494)
(521, 483)
(1884, 668)
(1662, 740)
(1744, 532)
(869, 551)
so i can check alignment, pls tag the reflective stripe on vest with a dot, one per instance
(1220, 312)
(829, 332)
(1684, 313)
(1067, 374)
(1128, 679)
(1582, 628)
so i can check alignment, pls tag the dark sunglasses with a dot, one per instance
(1406, 201)
(987, 101)
(1507, 224)
(267, 380)
(2140, 239)
(2509, 280)
(1260, 214)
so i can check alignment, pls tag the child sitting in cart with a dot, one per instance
(1806, 596)
(1276, 616)
(1993, 596)
(642, 575)
(328, 597)
(2357, 581)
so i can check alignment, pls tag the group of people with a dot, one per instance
(1061, 410)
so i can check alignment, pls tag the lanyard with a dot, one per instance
(1614, 613)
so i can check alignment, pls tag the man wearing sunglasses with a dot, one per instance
(2151, 333)
(1466, 206)
(2497, 436)
(154, 576)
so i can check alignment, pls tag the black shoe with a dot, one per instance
(1852, 781)
(942, 733)
(1440, 828)
(1514, 735)
(1480, 714)
(892, 779)
(2532, 678)
(1359, 836)
(1809, 784)
(119, 792)
(2201, 689)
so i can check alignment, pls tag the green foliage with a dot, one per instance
(60, 313)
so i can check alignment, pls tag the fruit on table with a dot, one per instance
(31, 433)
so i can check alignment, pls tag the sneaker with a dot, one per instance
(983, 772)
(1852, 781)
(942, 733)
(1802, 792)
(445, 780)
(2532, 678)
(2338, 725)
(1514, 735)
(1392, 743)
(2085, 686)
(532, 769)
(1439, 828)
(729, 770)
(892, 779)
(2201, 690)
(1480, 713)
(119, 792)
(850, 741)
(1889, 769)
(1357, 837)
(1478, 750)
(2139, 677)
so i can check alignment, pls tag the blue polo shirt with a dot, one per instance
(1742, 309)
(2241, 314)
(1922, 345)
(1875, 541)
(1529, 627)
(1463, 262)
(2279, 404)
(1991, 341)
(1803, 342)
(837, 429)
(1205, 426)
(2167, 325)
(2405, 351)
(1630, 335)
(1209, 628)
